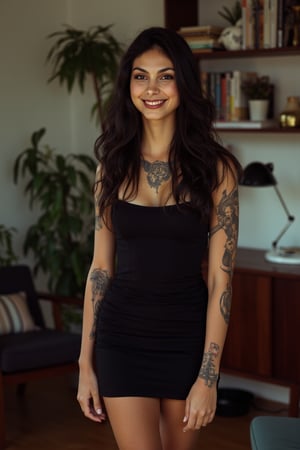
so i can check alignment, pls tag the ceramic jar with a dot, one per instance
(290, 116)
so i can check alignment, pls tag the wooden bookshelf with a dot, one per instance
(260, 130)
(256, 53)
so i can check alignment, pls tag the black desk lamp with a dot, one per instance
(258, 174)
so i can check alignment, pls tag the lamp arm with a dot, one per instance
(290, 218)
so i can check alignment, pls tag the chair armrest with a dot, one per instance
(57, 302)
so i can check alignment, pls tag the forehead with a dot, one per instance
(152, 58)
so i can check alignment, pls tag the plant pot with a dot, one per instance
(258, 109)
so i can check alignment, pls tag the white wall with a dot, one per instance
(26, 101)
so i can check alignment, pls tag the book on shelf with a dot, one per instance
(204, 43)
(280, 23)
(267, 23)
(246, 124)
(239, 108)
(225, 90)
(201, 30)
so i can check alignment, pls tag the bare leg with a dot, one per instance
(171, 426)
(135, 422)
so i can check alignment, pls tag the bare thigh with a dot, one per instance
(171, 426)
(135, 422)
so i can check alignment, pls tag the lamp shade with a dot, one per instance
(257, 174)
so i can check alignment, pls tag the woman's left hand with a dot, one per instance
(200, 405)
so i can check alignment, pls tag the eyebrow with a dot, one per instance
(160, 70)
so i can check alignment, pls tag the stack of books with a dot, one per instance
(202, 38)
(267, 23)
(225, 90)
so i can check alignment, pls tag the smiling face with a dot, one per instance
(153, 87)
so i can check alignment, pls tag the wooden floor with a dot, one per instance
(48, 417)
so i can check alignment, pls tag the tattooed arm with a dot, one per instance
(99, 276)
(222, 252)
(201, 402)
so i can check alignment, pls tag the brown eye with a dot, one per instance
(167, 76)
(139, 76)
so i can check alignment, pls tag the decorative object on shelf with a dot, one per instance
(296, 26)
(290, 116)
(258, 109)
(257, 174)
(259, 91)
(231, 37)
(231, 15)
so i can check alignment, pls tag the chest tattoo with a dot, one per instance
(157, 173)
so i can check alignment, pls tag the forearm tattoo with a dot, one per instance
(157, 173)
(227, 216)
(99, 281)
(208, 369)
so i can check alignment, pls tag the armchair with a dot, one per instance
(29, 350)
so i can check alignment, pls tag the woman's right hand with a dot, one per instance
(88, 396)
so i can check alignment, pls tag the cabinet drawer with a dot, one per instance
(248, 346)
(286, 329)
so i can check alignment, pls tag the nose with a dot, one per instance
(152, 88)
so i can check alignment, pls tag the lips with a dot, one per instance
(153, 103)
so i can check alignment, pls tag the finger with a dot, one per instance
(95, 408)
(191, 422)
(186, 414)
(86, 409)
(96, 405)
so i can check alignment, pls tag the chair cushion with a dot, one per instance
(37, 349)
(275, 433)
(14, 314)
(17, 278)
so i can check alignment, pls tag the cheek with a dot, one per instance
(135, 89)
(175, 94)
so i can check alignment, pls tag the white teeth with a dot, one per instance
(154, 103)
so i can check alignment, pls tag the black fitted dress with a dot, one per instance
(151, 322)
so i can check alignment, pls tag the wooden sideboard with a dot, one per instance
(264, 332)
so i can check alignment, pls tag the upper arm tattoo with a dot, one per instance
(99, 281)
(227, 217)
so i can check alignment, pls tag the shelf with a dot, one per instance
(259, 130)
(223, 54)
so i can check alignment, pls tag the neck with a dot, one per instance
(156, 140)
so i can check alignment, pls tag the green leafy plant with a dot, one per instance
(258, 88)
(78, 55)
(61, 189)
(7, 253)
(233, 14)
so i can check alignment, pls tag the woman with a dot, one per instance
(165, 191)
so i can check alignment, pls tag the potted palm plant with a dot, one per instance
(78, 55)
(61, 189)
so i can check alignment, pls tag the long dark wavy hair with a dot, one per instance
(194, 151)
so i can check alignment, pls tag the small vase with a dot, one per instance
(290, 116)
(258, 109)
